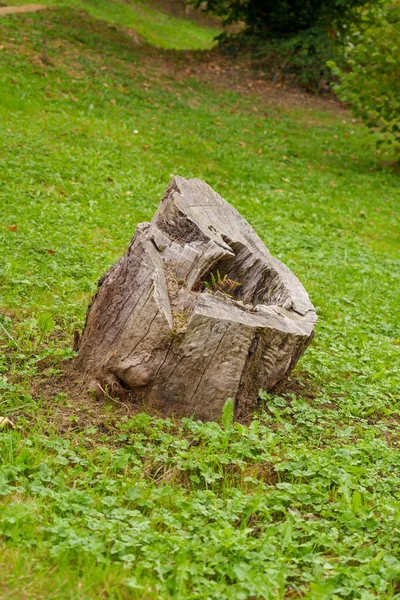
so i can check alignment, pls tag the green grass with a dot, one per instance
(304, 501)
(156, 28)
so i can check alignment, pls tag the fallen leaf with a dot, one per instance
(113, 101)
(12, 228)
(50, 251)
(242, 144)
(5, 422)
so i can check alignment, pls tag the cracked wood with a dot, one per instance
(159, 329)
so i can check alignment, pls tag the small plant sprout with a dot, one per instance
(221, 283)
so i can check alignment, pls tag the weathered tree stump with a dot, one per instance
(196, 311)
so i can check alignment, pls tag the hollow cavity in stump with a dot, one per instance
(196, 311)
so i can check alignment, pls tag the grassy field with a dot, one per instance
(99, 501)
(155, 27)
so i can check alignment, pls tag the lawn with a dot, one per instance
(153, 26)
(100, 500)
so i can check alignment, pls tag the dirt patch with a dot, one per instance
(239, 74)
(70, 407)
(298, 385)
(10, 10)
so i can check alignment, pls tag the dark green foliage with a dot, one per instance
(299, 60)
(370, 79)
(295, 38)
(283, 17)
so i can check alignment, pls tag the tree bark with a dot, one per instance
(196, 311)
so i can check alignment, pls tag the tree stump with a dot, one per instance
(196, 311)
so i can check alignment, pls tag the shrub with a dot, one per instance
(282, 17)
(299, 60)
(370, 81)
(293, 39)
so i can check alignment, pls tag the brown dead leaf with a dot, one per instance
(5, 422)
(242, 144)
(12, 228)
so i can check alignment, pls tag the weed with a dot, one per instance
(221, 283)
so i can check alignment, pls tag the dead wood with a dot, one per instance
(196, 311)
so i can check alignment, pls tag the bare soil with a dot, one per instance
(10, 10)
(241, 75)
(68, 412)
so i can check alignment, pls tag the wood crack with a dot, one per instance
(187, 346)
